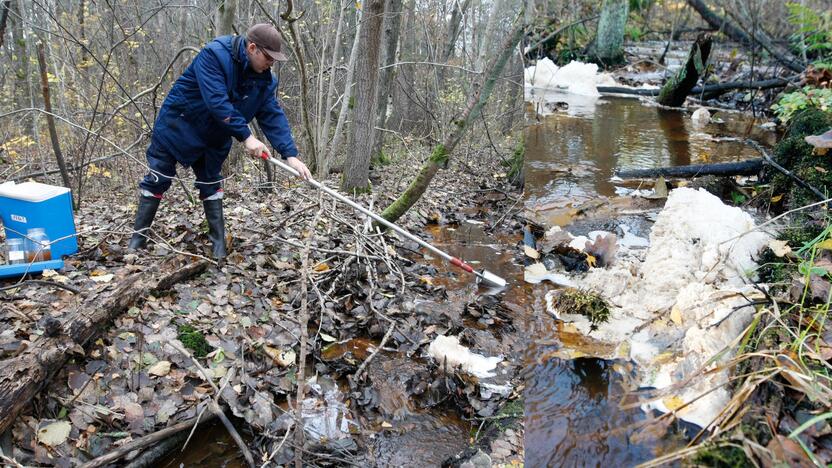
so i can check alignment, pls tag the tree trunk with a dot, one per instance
(227, 10)
(3, 18)
(83, 32)
(402, 111)
(22, 93)
(609, 41)
(326, 112)
(390, 41)
(50, 120)
(22, 377)
(357, 166)
(677, 88)
(480, 91)
(452, 33)
(515, 93)
(346, 97)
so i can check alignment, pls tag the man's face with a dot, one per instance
(258, 59)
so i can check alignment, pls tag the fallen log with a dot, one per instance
(677, 88)
(740, 36)
(23, 376)
(749, 167)
(708, 91)
(142, 442)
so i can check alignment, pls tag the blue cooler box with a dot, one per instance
(35, 205)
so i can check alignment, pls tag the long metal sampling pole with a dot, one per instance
(484, 275)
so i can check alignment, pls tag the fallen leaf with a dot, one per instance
(283, 358)
(426, 279)
(160, 369)
(386, 424)
(328, 338)
(103, 278)
(779, 247)
(320, 268)
(55, 433)
(776, 198)
(531, 252)
(821, 170)
(825, 245)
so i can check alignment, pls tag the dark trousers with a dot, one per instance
(162, 164)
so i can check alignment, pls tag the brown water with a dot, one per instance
(573, 411)
(571, 155)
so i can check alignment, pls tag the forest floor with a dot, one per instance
(374, 303)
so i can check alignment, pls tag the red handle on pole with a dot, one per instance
(461, 264)
(264, 155)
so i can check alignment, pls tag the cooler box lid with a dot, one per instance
(31, 191)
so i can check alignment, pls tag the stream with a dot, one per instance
(574, 404)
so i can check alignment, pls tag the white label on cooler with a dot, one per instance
(18, 218)
(15, 255)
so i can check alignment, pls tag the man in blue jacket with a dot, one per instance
(227, 84)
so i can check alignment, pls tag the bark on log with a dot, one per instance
(749, 167)
(740, 36)
(22, 377)
(676, 90)
(710, 91)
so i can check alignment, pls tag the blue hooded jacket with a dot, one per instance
(214, 100)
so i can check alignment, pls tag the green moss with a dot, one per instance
(588, 304)
(439, 156)
(194, 340)
(515, 164)
(721, 457)
(797, 156)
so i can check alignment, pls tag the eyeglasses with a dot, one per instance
(265, 54)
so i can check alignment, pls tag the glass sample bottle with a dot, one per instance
(15, 251)
(37, 246)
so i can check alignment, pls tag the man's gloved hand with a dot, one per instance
(255, 147)
(299, 166)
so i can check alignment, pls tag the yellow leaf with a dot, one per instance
(776, 198)
(676, 315)
(320, 268)
(825, 245)
(590, 260)
(673, 402)
(426, 279)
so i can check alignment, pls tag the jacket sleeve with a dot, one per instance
(275, 125)
(211, 79)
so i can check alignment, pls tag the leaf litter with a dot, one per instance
(241, 321)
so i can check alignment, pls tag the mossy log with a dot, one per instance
(750, 167)
(23, 376)
(677, 88)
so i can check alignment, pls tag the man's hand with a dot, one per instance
(299, 166)
(255, 147)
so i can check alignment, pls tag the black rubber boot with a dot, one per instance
(216, 226)
(144, 218)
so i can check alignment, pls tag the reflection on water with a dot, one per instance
(573, 416)
(571, 158)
